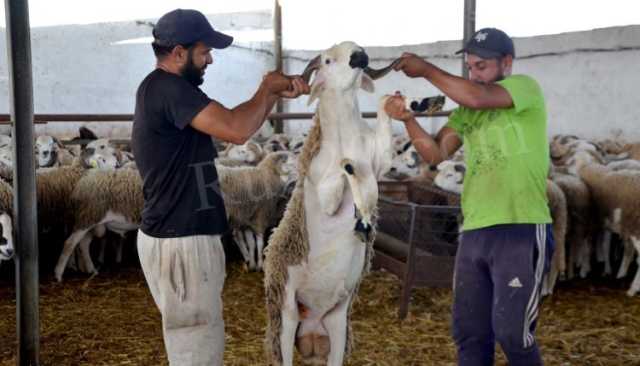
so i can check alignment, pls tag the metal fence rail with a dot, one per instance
(49, 118)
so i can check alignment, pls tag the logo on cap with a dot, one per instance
(481, 36)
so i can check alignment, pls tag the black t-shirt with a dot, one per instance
(180, 182)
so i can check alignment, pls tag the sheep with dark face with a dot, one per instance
(409, 166)
(451, 176)
(50, 152)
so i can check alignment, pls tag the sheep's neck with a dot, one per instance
(340, 117)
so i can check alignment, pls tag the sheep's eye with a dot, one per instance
(327, 61)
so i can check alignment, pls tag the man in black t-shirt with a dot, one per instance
(183, 216)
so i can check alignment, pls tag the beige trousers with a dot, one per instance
(186, 276)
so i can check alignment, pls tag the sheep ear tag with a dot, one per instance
(367, 84)
(316, 88)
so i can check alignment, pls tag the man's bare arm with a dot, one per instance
(462, 91)
(237, 125)
(432, 150)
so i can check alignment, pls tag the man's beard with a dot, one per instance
(192, 73)
(500, 74)
(498, 77)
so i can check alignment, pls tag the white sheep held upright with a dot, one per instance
(318, 254)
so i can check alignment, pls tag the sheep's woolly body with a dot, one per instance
(54, 188)
(6, 197)
(101, 191)
(633, 150)
(250, 194)
(229, 163)
(289, 246)
(613, 190)
(581, 216)
(558, 208)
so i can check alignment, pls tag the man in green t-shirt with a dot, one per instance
(506, 243)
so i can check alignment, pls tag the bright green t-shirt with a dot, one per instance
(507, 156)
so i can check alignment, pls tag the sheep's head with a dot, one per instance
(285, 164)
(250, 152)
(450, 176)
(401, 143)
(560, 145)
(100, 154)
(342, 67)
(277, 142)
(47, 150)
(405, 165)
(6, 237)
(580, 159)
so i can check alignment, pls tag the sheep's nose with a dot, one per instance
(9, 252)
(359, 59)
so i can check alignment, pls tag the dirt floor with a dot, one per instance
(111, 319)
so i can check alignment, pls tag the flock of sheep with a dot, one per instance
(593, 190)
(86, 190)
(594, 193)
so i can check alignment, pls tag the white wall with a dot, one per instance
(589, 78)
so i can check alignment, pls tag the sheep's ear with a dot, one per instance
(316, 88)
(367, 84)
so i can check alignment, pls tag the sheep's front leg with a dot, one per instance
(383, 155)
(72, 263)
(119, 248)
(238, 237)
(99, 231)
(635, 285)
(85, 250)
(259, 249)
(585, 260)
(627, 258)
(335, 322)
(251, 248)
(606, 255)
(69, 246)
(290, 320)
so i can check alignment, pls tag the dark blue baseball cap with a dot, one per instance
(490, 43)
(186, 26)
